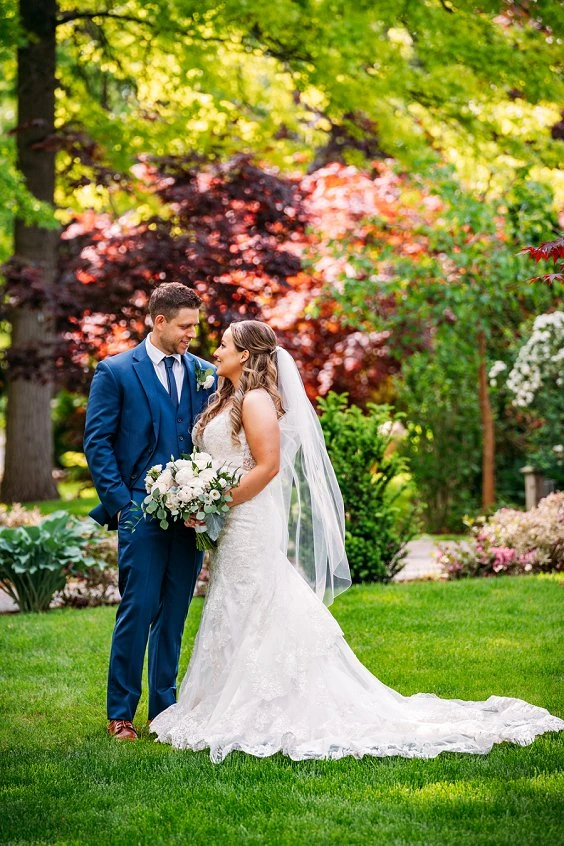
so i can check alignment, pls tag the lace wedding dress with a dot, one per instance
(271, 671)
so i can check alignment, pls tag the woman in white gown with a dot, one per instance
(270, 670)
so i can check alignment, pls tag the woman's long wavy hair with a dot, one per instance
(259, 371)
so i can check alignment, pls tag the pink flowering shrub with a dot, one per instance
(510, 543)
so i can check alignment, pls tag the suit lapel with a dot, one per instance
(145, 371)
(189, 363)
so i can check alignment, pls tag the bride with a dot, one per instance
(271, 671)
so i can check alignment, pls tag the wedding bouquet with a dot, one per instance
(194, 486)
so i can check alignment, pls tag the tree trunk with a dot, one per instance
(488, 432)
(29, 440)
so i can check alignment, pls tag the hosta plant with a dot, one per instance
(36, 561)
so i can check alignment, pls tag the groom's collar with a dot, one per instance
(157, 355)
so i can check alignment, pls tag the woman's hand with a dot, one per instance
(191, 523)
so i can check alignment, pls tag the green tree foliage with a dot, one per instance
(443, 444)
(442, 275)
(313, 80)
(15, 200)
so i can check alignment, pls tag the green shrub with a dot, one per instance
(35, 561)
(68, 413)
(372, 478)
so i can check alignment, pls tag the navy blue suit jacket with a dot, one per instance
(122, 424)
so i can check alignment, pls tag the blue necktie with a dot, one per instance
(171, 381)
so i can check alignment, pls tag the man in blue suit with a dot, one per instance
(141, 410)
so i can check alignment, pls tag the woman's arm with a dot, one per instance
(262, 431)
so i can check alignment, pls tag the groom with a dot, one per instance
(141, 410)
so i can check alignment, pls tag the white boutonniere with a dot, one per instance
(204, 378)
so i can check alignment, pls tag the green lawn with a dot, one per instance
(74, 498)
(65, 782)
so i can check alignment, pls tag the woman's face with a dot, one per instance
(229, 359)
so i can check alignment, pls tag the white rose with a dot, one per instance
(164, 481)
(197, 486)
(185, 476)
(172, 502)
(202, 459)
(215, 495)
(182, 463)
(185, 494)
(208, 383)
(206, 476)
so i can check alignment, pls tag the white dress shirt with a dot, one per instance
(158, 357)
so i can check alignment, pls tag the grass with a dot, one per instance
(76, 498)
(440, 538)
(65, 782)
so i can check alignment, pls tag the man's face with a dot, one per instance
(174, 335)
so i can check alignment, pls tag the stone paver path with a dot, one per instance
(420, 561)
(6, 604)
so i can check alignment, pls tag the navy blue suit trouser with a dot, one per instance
(157, 576)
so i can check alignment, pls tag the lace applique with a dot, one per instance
(248, 460)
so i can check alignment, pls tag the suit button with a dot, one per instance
(179, 419)
(181, 437)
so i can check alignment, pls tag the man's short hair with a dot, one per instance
(167, 299)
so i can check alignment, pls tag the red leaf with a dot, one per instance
(548, 250)
(549, 278)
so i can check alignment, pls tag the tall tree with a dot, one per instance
(29, 451)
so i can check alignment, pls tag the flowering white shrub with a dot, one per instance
(540, 361)
(495, 370)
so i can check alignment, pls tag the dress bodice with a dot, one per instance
(217, 441)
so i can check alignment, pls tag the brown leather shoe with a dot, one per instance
(122, 730)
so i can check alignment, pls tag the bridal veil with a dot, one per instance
(310, 501)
